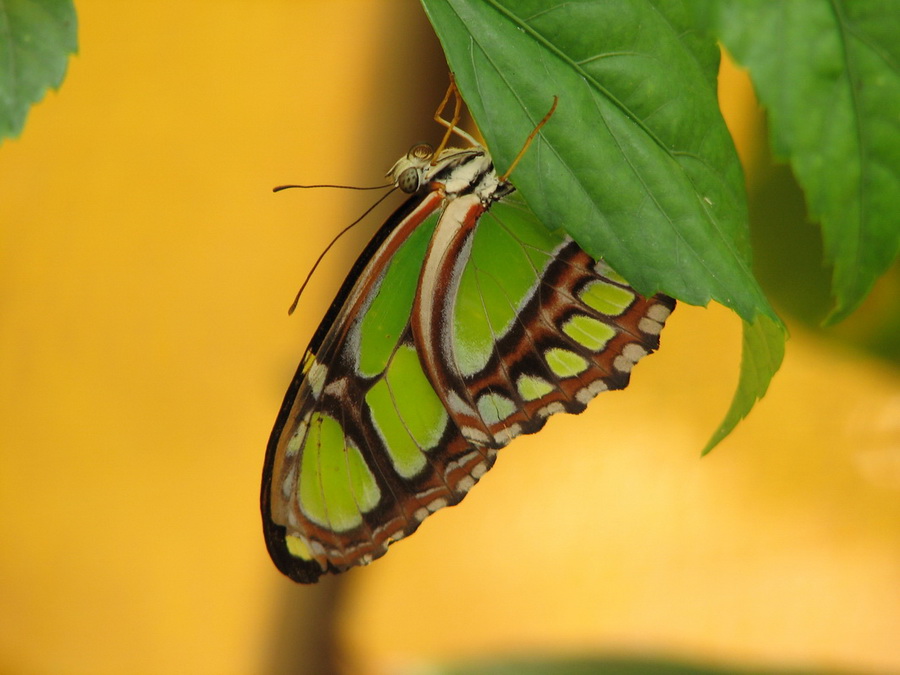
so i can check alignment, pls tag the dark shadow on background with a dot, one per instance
(305, 640)
(788, 260)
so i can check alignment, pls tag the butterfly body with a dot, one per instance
(463, 324)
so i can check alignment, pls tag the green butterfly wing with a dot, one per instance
(371, 439)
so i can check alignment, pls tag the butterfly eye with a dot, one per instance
(420, 151)
(409, 180)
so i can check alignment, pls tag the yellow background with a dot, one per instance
(145, 269)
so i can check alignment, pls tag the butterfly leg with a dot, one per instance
(451, 125)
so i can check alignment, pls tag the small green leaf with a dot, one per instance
(762, 352)
(36, 38)
(829, 73)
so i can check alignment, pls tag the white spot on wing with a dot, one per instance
(630, 355)
(337, 388)
(649, 326)
(290, 480)
(457, 405)
(465, 459)
(506, 434)
(597, 386)
(473, 435)
(316, 377)
(551, 409)
(296, 440)
(658, 313)
(634, 352)
(622, 364)
(437, 504)
(465, 484)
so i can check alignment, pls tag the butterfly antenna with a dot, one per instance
(279, 188)
(530, 138)
(338, 236)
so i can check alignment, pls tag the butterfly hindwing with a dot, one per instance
(538, 327)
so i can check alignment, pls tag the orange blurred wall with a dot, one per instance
(144, 350)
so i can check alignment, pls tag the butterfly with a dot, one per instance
(463, 324)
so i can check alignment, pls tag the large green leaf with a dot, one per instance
(636, 163)
(828, 71)
(36, 38)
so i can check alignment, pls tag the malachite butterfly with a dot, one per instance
(464, 323)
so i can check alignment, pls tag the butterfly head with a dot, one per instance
(420, 167)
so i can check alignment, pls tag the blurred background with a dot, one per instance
(145, 272)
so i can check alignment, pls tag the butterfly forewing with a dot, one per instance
(468, 323)
(327, 475)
